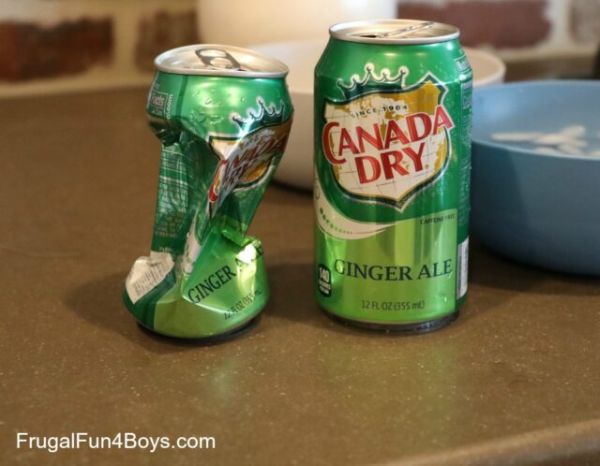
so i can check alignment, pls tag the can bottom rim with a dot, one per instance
(208, 340)
(397, 329)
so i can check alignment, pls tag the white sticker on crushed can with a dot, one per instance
(147, 272)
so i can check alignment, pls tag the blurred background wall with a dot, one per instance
(68, 45)
(517, 28)
(63, 45)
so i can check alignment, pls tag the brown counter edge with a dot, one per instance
(573, 444)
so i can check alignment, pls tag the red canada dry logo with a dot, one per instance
(387, 140)
(245, 161)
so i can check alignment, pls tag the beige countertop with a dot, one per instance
(513, 381)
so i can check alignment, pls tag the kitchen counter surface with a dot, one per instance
(513, 381)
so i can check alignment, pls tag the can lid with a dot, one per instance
(219, 60)
(394, 31)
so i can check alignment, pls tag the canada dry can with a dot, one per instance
(222, 115)
(392, 163)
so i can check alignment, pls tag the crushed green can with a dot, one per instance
(223, 115)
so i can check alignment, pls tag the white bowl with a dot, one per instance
(240, 22)
(296, 167)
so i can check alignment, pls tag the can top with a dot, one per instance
(219, 60)
(394, 31)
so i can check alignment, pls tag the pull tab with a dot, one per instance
(410, 29)
(401, 31)
(218, 59)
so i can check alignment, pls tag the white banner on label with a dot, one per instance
(335, 224)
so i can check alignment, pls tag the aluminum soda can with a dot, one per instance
(222, 115)
(392, 174)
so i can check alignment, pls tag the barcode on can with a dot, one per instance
(463, 268)
(147, 273)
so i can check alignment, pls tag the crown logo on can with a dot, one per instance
(372, 82)
(266, 115)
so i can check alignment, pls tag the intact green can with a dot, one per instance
(392, 174)
(223, 116)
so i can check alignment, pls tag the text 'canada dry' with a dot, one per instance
(222, 115)
(392, 161)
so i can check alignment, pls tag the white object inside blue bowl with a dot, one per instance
(570, 140)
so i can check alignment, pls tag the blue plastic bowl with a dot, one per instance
(539, 209)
